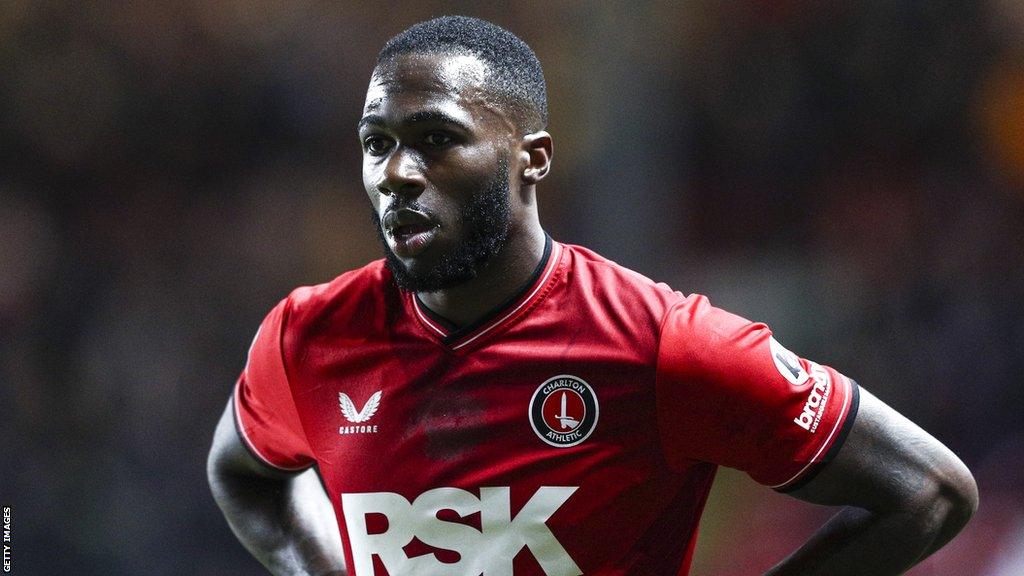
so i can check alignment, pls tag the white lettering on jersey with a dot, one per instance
(488, 551)
(816, 400)
(348, 410)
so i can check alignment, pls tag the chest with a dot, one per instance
(495, 415)
(533, 451)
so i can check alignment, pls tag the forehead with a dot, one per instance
(456, 82)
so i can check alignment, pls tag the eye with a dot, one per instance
(438, 139)
(376, 145)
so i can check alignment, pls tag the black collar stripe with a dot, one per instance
(498, 315)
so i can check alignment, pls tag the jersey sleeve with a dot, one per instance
(265, 413)
(729, 393)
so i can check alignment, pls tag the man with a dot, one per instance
(486, 400)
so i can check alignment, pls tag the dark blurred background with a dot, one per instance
(851, 173)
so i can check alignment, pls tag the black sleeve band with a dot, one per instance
(836, 445)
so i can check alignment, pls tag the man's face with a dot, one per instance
(436, 151)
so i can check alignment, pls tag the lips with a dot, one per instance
(410, 231)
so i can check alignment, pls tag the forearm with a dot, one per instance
(858, 542)
(907, 495)
(287, 524)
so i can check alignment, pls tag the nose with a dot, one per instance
(402, 175)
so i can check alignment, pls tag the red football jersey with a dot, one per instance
(574, 430)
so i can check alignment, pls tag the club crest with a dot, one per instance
(563, 411)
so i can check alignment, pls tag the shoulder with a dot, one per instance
(697, 333)
(695, 315)
(347, 300)
(617, 300)
(611, 281)
(615, 286)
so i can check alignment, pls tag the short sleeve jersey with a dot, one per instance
(576, 429)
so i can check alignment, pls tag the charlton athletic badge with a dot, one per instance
(563, 411)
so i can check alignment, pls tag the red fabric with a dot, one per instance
(265, 414)
(427, 409)
(723, 398)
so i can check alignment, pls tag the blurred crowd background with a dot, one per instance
(851, 173)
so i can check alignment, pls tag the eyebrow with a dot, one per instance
(436, 116)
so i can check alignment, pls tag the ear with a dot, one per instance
(535, 154)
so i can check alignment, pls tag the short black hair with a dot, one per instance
(514, 71)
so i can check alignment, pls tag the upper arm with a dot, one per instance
(263, 408)
(728, 393)
(888, 463)
(230, 456)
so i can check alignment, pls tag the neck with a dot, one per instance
(499, 279)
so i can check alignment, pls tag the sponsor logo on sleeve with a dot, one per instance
(787, 363)
(814, 407)
(563, 411)
(359, 417)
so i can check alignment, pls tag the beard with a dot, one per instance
(485, 222)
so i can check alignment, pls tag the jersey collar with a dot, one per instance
(503, 314)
